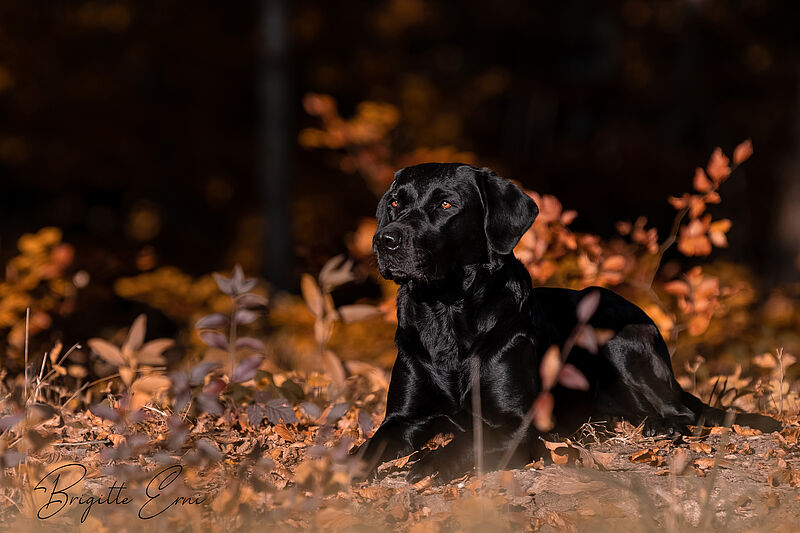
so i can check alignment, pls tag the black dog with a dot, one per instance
(446, 234)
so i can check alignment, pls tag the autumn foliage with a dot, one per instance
(261, 394)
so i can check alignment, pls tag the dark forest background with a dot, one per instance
(166, 132)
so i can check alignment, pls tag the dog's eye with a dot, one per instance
(394, 203)
(446, 205)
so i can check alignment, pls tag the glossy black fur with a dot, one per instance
(463, 296)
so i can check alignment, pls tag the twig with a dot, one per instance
(673, 235)
(76, 346)
(12, 501)
(82, 443)
(159, 411)
(39, 378)
(779, 353)
(477, 417)
(27, 334)
(232, 340)
(101, 380)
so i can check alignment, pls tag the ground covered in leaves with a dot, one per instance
(243, 417)
(280, 478)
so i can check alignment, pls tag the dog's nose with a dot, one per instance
(391, 240)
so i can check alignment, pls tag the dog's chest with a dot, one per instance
(442, 332)
(445, 343)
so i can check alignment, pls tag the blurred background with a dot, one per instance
(158, 133)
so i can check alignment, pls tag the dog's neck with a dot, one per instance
(466, 281)
(466, 301)
(443, 323)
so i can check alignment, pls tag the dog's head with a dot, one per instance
(439, 216)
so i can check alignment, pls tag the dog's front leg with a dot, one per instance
(413, 415)
(394, 438)
(502, 447)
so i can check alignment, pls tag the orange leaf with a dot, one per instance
(743, 152)
(543, 411)
(700, 447)
(697, 205)
(692, 239)
(677, 288)
(717, 231)
(615, 262)
(284, 433)
(718, 167)
(679, 203)
(701, 182)
(698, 324)
(748, 432)
(551, 364)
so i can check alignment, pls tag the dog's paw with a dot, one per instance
(437, 464)
(420, 470)
(665, 427)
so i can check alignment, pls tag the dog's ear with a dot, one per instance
(508, 212)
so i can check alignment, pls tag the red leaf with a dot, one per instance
(214, 339)
(572, 378)
(588, 305)
(212, 321)
(245, 370)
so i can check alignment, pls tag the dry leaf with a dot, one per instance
(107, 351)
(700, 447)
(748, 432)
(312, 295)
(333, 368)
(135, 337)
(284, 433)
(152, 384)
(151, 352)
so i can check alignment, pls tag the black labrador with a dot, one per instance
(445, 234)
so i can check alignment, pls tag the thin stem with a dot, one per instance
(82, 443)
(27, 335)
(779, 352)
(232, 340)
(50, 372)
(101, 380)
(477, 417)
(673, 235)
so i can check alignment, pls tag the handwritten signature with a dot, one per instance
(156, 503)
